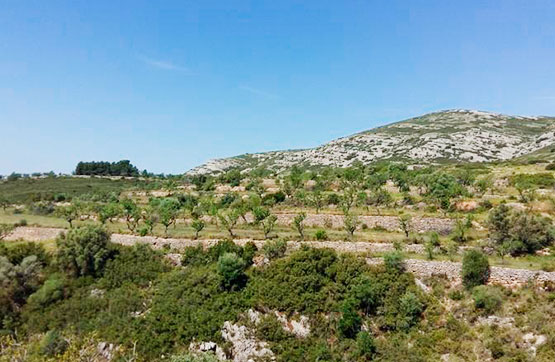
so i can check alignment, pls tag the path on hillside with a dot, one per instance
(422, 268)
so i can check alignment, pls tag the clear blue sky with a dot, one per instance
(170, 85)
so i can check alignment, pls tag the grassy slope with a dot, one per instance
(25, 190)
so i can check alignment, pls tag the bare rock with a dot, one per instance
(466, 205)
(208, 347)
(244, 346)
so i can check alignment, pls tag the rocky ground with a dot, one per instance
(455, 135)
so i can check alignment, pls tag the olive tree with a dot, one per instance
(131, 212)
(316, 200)
(350, 223)
(298, 224)
(228, 218)
(265, 219)
(405, 224)
(68, 213)
(197, 225)
(168, 211)
(150, 217)
(5, 230)
(109, 212)
(4, 202)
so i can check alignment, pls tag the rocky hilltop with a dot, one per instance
(446, 136)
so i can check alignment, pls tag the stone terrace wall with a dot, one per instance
(502, 276)
(30, 233)
(421, 268)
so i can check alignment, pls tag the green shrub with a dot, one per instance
(301, 282)
(368, 293)
(42, 208)
(195, 255)
(231, 269)
(51, 291)
(456, 295)
(410, 309)
(188, 304)
(143, 231)
(333, 199)
(223, 247)
(274, 249)
(541, 180)
(52, 344)
(16, 253)
(530, 233)
(17, 282)
(486, 204)
(497, 348)
(487, 298)
(270, 329)
(138, 264)
(321, 235)
(475, 268)
(350, 322)
(83, 250)
(5, 230)
(394, 262)
(365, 347)
(248, 252)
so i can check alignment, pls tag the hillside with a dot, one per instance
(446, 136)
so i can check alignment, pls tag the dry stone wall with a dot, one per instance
(421, 268)
(30, 233)
(508, 277)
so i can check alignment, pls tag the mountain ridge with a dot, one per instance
(456, 135)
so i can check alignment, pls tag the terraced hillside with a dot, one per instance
(447, 136)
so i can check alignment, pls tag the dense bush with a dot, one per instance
(350, 322)
(138, 265)
(140, 303)
(270, 329)
(366, 347)
(321, 235)
(410, 309)
(187, 304)
(298, 283)
(487, 298)
(475, 268)
(16, 253)
(83, 251)
(52, 344)
(274, 249)
(540, 180)
(42, 208)
(519, 232)
(231, 269)
(17, 282)
(51, 291)
(394, 262)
